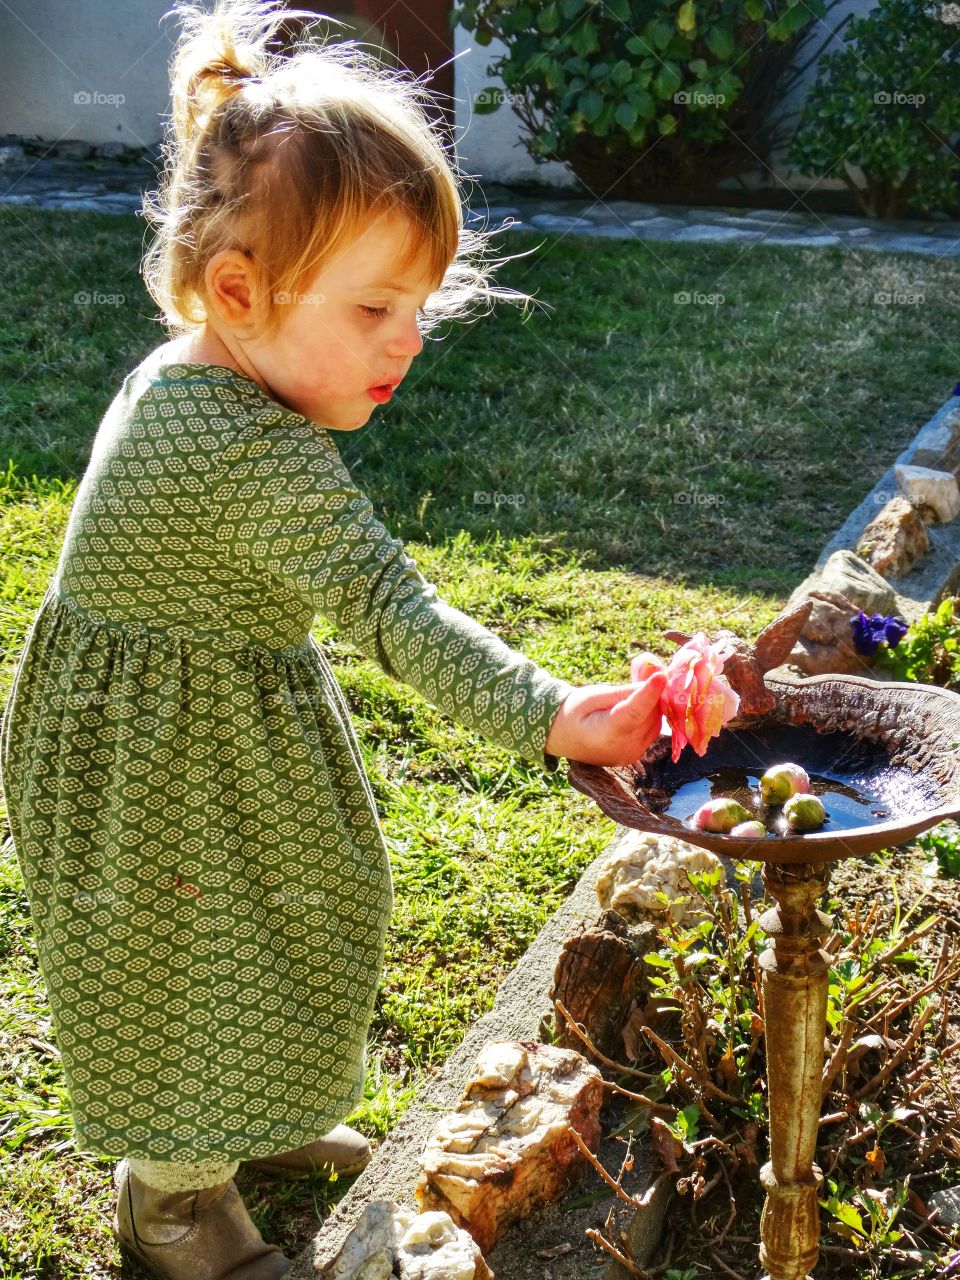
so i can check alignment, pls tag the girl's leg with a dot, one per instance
(164, 1175)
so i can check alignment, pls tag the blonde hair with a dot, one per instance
(286, 155)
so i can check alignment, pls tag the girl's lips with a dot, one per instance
(380, 394)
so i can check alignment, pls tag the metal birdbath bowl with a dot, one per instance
(885, 760)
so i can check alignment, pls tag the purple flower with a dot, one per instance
(869, 632)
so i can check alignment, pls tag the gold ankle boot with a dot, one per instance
(205, 1234)
(344, 1150)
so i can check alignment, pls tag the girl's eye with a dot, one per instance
(379, 312)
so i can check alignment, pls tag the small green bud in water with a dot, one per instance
(804, 813)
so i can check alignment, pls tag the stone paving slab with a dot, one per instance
(109, 179)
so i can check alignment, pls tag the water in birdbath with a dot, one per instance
(850, 803)
(854, 779)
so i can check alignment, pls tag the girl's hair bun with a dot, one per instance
(218, 52)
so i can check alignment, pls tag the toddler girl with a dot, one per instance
(201, 849)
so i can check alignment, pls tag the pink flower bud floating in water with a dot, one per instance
(696, 701)
(753, 829)
(720, 814)
(781, 781)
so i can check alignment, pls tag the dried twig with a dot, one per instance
(674, 1058)
(935, 1143)
(607, 1062)
(889, 1014)
(835, 1117)
(625, 1262)
(732, 1217)
(728, 1271)
(901, 1055)
(908, 939)
(713, 1142)
(638, 1202)
(924, 1067)
(658, 1107)
(837, 1059)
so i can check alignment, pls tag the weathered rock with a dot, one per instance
(390, 1240)
(508, 1147)
(895, 540)
(648, 865)
(948, 1202)
(937, 490)
(826, 644)
(938, 446)
(850, 575)
(599, 977)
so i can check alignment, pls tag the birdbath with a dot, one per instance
(885, 760)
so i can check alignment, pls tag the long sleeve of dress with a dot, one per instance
(282, 500)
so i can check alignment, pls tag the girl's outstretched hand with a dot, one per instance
(608, 723)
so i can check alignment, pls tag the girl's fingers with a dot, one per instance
(642, 699)
(643, 664)
(638, 693)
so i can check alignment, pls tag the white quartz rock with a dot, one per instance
(647, 865)
(924, 487)
(500, 1062)
(523, 1155)
(393, 1240)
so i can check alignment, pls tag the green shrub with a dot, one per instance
(942, 844)
(888, 103)
(930, 651)
(643, 95)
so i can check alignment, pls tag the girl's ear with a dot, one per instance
(232, 292)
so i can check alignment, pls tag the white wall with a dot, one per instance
(84, 69)
(489, 146)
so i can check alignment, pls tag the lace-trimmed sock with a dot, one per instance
(164, 1175)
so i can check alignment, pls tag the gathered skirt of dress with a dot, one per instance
(208, 879)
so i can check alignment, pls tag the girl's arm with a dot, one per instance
(282, 503)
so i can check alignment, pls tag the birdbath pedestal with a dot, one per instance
(885, 760)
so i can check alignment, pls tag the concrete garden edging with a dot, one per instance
(938, 573)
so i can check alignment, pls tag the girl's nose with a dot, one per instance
(407, 341)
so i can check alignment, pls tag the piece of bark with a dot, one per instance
(599, 976)
(508, 1148)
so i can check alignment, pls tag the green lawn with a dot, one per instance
(770, 414)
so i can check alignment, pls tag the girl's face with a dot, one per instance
(352, 330)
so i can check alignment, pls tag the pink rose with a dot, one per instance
(696, 701)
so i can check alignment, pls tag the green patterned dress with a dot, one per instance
(208, 879)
